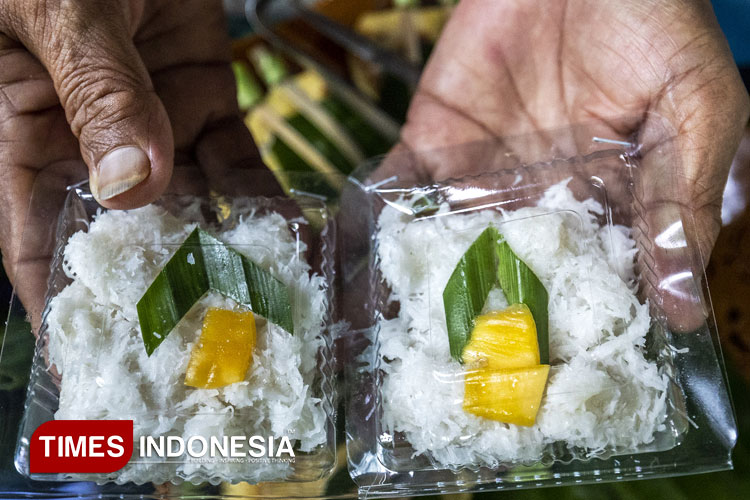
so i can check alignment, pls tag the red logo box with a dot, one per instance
(81, 446)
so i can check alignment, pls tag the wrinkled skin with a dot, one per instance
(78, 79)
(657, 72)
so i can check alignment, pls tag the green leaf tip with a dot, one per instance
(521, 286)
(467, 289)
(204, 263)
(490, 262)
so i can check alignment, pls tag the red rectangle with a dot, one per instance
(81, 446)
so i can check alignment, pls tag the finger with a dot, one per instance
(32, 178)
(200, 100)
(208, 125)
(484, 85)
(689, 142)
(486, 88)
(123, 130)
(231, 162)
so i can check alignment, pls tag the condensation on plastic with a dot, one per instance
(318, 231)
(638, 188)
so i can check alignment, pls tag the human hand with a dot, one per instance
(514, 67)
(122, 93)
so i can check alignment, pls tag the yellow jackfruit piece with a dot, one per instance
(512, 395)
(224, 351)
(503, 339)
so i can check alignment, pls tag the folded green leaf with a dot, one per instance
(487, 263)
(521, 286)
(203, 263)
(467, 289)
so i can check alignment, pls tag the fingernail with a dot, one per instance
(120, 170)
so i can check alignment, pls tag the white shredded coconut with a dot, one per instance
(95, 342)
(602, 394)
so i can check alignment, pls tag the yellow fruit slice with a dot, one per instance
(503, 339)
(224, 351)
(512, 396)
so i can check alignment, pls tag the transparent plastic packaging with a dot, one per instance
(89, 361)
(383, 265)
(636, 385)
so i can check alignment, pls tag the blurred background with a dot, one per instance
(325, 85)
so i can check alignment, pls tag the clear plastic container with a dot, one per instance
(394, 450)
(289, 389)
(636, 385)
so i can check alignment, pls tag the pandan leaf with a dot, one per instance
(487, 263)
(204, 263)
(521, 286)
(467, 289)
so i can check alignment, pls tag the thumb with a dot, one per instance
(685, 169)
(109, 100)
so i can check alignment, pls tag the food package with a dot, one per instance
(205, 321)
(530, 325)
